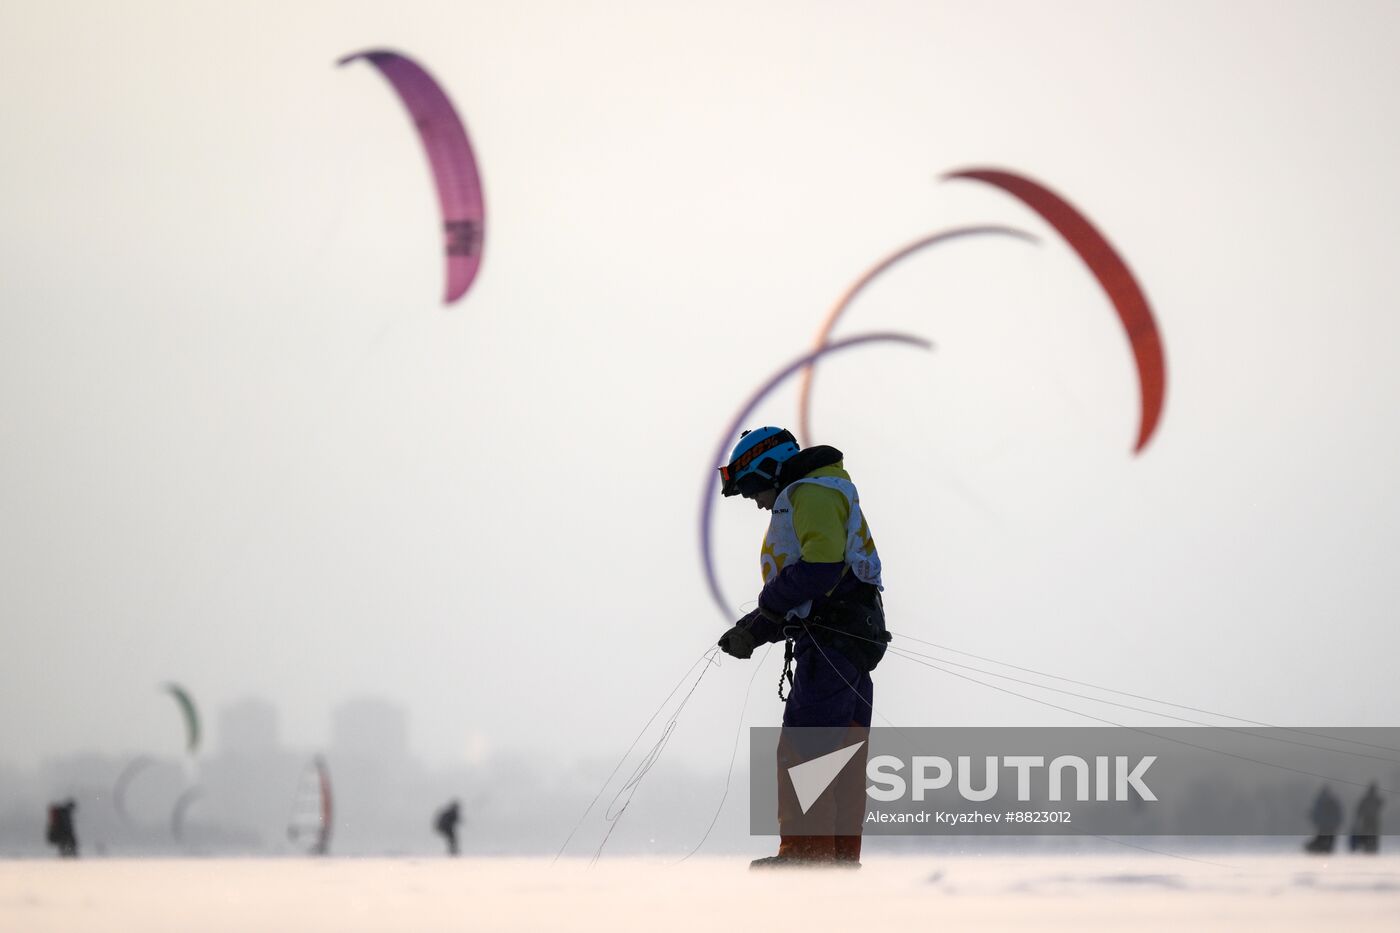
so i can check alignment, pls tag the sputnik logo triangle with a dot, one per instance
(811, 778)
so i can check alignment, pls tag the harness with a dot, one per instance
(854, 626)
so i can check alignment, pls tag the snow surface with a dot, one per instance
(714, 895)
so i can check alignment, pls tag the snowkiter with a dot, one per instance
(1366, 826)
(821, 595)
(60, 830)
(1326, 816)
(446, 824)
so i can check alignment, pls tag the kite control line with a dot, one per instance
(629, 788)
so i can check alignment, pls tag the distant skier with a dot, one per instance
(446, 824)
(60, 829)
(821, 594)
(1366, 826)
(1326, 815)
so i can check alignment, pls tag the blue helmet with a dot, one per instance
(757, 461)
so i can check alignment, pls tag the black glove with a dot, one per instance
(737, 642)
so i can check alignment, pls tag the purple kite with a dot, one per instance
(707, 495)
(450, 156)
(856, 287)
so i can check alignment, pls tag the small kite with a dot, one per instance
(188, 713)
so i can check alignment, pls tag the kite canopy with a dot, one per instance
(182, 806)
(313, 809)
(189, 713)
(450, 156)
(119, 787)
(1113, 276)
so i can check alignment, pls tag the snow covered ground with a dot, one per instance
(715, 895)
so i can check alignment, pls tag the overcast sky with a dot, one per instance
(246, 448)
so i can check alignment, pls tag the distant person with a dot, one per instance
(446, 824)
(1326, 816)
(60, 830)
(1366, 827)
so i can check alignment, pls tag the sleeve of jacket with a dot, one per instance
(819, 517)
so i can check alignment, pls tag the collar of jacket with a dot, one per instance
(806, 461)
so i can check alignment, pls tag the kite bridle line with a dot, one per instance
(733, 755)
(704, 662)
